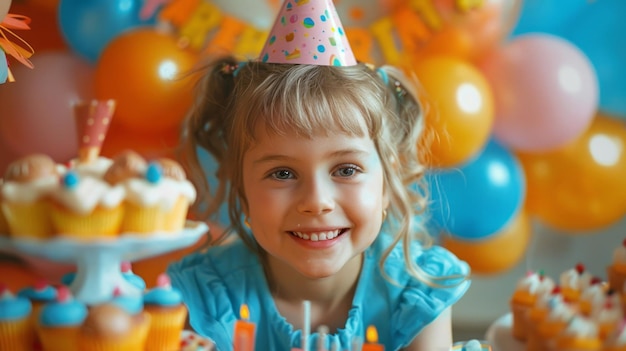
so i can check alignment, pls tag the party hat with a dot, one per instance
(92, 122)
(308, 32)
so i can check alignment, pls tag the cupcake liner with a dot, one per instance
(101, 222)
(142, 219)
(58, 339)
(175, 219)
(519, 327)
(28, 220)
(136, 340)
(165, 328)
(17, 335)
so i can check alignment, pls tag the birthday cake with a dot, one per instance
(575, 312)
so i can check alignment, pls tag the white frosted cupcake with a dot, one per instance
(156, 197)
(27, 185)
(86, 207)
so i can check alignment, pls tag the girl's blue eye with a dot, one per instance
(346, 171)
(282, 174)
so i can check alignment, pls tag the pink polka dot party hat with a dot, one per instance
(308, 32)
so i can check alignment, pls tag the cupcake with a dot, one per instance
(617, 341)
(39, 295)
(592, 297)
(581, 334)
(109, 327)
(540, 310)
(60, 321)
(27, 184)
(608, 317)
(559, 316)
(176, 179)
(86, 207)
(165, 306)
(156, 198)
(573, 281)
(616, 271)
(16, 329)
(132, 278)
(524, 298)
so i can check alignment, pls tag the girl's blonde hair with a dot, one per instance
(234, 97)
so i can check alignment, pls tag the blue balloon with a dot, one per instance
(593, 27)
(89, 25)
(478, 199)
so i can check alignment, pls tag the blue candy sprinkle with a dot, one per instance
(154, 173)
(70, 180)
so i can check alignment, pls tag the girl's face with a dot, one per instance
(314, 204)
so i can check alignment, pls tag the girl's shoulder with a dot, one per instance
(435, 261)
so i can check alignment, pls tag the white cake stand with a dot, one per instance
(500, 337)
(98, 261)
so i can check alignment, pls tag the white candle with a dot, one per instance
(306, 326)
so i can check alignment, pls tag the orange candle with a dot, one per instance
(244, 331)
(371, 338)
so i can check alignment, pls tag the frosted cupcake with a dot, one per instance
(109, 327)
(616, 271)
(556, 321)
(16, 329)
(608, 317)
(38, 295)
(155, 201)
(86, 207)
(573, 281)
(132, 278)
(60, 321)
(581, 334)
(27, 184)
(524, 298)
(174, 174)
(592, 297)
(540, 310)
(165, 305)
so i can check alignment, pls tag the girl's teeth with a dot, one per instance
(321, 236)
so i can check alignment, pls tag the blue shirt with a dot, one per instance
(216, 283)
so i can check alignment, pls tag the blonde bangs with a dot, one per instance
(312, 104)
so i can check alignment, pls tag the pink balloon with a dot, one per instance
(36, 109)
(545, 90)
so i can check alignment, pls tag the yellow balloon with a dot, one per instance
(499, 252)
(582, 186)
(460, 108)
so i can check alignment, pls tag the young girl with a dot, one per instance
(321, 169)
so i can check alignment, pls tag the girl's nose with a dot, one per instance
(316, 197)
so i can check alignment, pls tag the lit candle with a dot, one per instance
(371, 337)
(244, 331)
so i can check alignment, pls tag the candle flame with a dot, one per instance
(244, 312)
(371, 335)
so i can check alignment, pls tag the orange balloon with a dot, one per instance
(581, 186)
(150, 145)
(498, 253)
(147, 73)
(461, 108)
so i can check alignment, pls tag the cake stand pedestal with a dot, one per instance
(98, 261)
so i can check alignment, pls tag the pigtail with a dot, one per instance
(409, 195)
(204, 127)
